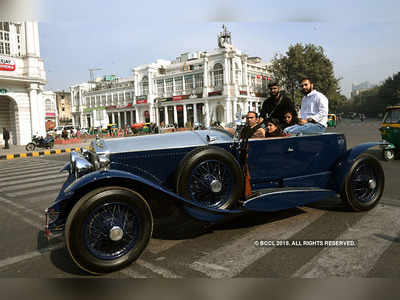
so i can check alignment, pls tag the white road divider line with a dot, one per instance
(36, 190)
(156, 246)
(157, 269)
(22, 175)
(23, 208)
(131, 273)
(37, 185)
(16, 259)
(229, 260)
(36, 179)
(356, 262)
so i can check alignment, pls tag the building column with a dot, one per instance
(194, 113)
(205, 78)
(175, 115)
(137, 115)
(207, 117)
(113, 118)
(183, 84)
(166, 115)
(234, 108)
(184, 115)
(125, 120)
(33, 103)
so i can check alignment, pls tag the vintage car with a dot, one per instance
(117, 188)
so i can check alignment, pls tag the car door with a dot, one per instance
(272, 160)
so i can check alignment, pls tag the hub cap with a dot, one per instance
(116, 233)
(216, 186)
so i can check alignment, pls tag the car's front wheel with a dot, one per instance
(364, 184)
(108, 229)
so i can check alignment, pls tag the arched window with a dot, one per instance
(218, 75)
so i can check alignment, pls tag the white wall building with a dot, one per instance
(22, 78)
(203, 87)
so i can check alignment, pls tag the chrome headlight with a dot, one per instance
(79, 165)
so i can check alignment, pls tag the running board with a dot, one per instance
(283, 198)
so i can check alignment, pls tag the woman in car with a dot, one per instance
(290, 119)
(274, 129)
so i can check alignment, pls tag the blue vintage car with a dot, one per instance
(115, 190)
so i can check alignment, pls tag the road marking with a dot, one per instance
(24, 209)
(33, 191)
(157, 269)
(130, 273)
(230, 260)
(36, 179)
(356, 262)
(156, 246)
(16, 259)
(22, 174)
(44, 182)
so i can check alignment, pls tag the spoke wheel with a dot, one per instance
(108, 229)
(211, 177)
(364, 184)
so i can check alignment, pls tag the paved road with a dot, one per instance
(27, 186)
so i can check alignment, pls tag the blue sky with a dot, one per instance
(360, 37)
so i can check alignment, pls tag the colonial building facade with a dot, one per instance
(22, 80)
(199, 87)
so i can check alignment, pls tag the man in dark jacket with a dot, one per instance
(277, 104)
(6, 137)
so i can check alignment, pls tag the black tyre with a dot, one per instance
(30, 147)
(364, 184)
(108, 229)
(210, 176)
(388, 154)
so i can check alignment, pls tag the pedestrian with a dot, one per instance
(313, 112)
(6, 137)
(277, 104)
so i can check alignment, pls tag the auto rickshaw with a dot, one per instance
(390, 132)
(332, 120)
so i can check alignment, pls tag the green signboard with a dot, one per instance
(94, 108)
(3, 91)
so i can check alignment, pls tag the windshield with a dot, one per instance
(392, 116)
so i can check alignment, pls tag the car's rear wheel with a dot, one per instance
(210, 176)
(108, 229)
(364, 184)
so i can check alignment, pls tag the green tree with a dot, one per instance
(307, 61)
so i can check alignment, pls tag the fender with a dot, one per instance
(344, 164)
(104, 175)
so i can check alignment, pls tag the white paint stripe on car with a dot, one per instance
(373, 232)
(229, 260)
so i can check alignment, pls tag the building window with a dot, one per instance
(145, 85)
(114, 99)
(218, 75)
(169, 85)
(178, 85)
(160, 87)
(198, 80)
(4, 38)
(188, 82)
(121, 98)
(48, 105)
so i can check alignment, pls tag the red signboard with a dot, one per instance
(7, 64)
(243, 92)
(50, 114)
(180, 97)
(141, 101)
(179, 108)
(215, 93)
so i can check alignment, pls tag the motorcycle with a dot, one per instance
(40, 142)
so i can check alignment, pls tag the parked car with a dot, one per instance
(107, 206)
(59, 129)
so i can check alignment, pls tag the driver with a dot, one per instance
(253, 128)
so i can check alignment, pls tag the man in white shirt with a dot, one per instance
(313, 112)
